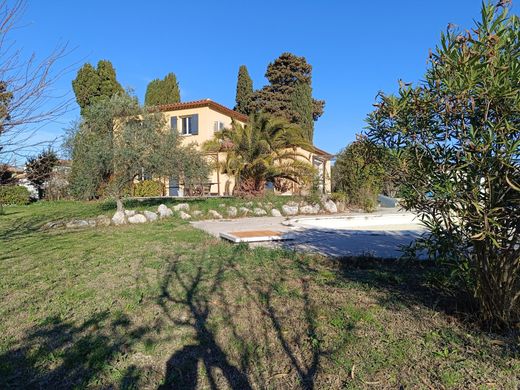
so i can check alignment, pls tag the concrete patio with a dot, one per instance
(383, 240)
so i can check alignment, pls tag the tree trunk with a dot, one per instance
(119, 204)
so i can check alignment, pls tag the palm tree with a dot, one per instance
(261, 151)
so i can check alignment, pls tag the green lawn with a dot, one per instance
(164, 304)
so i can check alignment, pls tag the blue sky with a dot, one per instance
(356, 48)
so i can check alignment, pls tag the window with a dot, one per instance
(173, 123)
(190, 125)
(217, 126)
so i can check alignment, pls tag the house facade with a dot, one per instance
(198, 121)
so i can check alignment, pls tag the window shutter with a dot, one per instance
(221, 125)
(173, 123)
(215, 126)
(195, 124)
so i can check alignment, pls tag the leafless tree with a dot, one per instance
(27, 98)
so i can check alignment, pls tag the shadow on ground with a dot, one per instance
(241, 328)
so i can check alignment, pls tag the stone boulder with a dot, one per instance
(181, 207)
(276, 213)
(102, 220)
(244, 210)
(137, 218)
(215, 214)
(232, 211)
(197, 213)
(290, 209)
(164, 211)
(184, 215)
(53, 225)
(259, 212)
(308, 209)
(330, 207)
(119, 218)
(150, 215)
(129, 213)
(76, 224)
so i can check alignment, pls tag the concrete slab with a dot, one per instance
(255, 236)
(383, 240)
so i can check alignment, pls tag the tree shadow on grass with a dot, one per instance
(59, 354)
(182, 368)
(227, 355)
(408, 283)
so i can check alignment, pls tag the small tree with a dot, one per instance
(39, 169)
(165, 91)
(360, 172)
(244, 91)
(117, 140)
(459, 132)
(27, 99)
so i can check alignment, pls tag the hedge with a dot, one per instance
(14, 195)
(148, 188)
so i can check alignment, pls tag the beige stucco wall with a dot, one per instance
(207, 117)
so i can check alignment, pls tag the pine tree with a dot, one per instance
(91, 84)
(165, 91)
(301, 107)
(285, 75)
(244, 91)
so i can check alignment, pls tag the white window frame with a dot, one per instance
(186, 130)
(218, 126)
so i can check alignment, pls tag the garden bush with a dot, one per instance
(14, 195)
(459, 133)
(147, 188)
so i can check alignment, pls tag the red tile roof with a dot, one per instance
(321, 152)
(201, 103)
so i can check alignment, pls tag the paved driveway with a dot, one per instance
(379, 241)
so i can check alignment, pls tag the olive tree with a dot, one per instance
(459, 134)
(117, 140)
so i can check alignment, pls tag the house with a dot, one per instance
(197, 122)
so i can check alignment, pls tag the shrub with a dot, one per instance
(315, 193)
(339, 197)
(14, 195)
(360, 172)
(460, 130)
(148, 188)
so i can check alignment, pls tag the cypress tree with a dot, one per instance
(301, 107)
(108, 85)
(91, 84)
(86, 86)
(165, 91)
(244, 91)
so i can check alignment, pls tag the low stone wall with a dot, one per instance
(183, 211)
